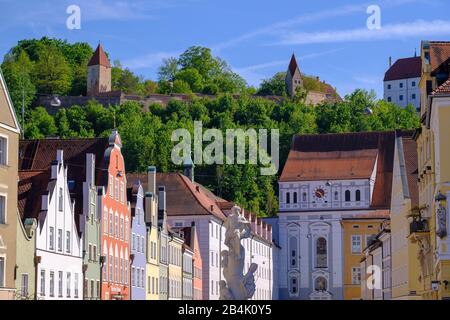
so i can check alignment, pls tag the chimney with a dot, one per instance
(149, 198)
(161, 206)
(390, 62)
(54, 170)
(151, 179)
(188, 166)
(59, 155)
(269, 232)
(90, 169)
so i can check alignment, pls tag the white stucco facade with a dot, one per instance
(58, 244)
(403, 92)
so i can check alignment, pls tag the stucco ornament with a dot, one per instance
(442, 221)
(236, 286)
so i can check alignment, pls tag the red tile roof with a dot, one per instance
(32, 184)
(99, 58)
(37, 155)
(183, 197)
(443, 89)
(404, 69)
(345, 156)
(439, 55)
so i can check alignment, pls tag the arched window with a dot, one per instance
(336, 196)
(293, 249)
(293, 285)
(295, 197)
(288, 197)
(304, 197)
(320, 284)
(358, 195)
(347, 196)
(321, 253)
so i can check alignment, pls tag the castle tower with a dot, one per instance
(99, 73)
(293, 77)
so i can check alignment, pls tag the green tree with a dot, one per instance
(17, 72)
(180, 86)
(274, 86)
(168, 70)
(192, 77)
(40, 124)
(52, 73)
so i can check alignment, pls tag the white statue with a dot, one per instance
(236, 286)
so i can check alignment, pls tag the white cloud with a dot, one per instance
(419, 28)
(307, 18)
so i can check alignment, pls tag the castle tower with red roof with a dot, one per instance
(99, 73)
(293, 77)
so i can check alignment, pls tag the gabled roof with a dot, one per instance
(404, 69)
(32, 185)
(99, 58)
(10, 123)
(439, 55)
(293, 66)
(37, 155)
(345, 156)
(183, 197)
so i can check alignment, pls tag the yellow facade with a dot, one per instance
(405, 265)
(434, 165)
(439, 124)
(152, 267)
(355, 229)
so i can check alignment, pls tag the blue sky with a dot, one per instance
(257, 38)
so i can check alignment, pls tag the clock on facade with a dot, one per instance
(320, 193)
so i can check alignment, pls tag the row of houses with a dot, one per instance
(412, 250)
(75, 225)
(366, 215)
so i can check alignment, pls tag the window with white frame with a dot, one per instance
(321, 253)
(121, 228)
(356, 275)
(68, 280)
(111, 186)
(68, 241)
(105, 221)
(51, 240)
(116, 226)
(111, 261)
(2, 209)
(116, 189)
(52, 283)
(60, 283)
(356, 244)
(3, 151)
(42, 282)
(24, 285)
(60, 239)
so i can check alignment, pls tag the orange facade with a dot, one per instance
(116, 222)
